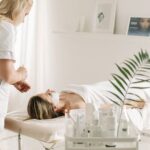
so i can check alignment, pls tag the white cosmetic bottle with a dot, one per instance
(108, 123)
(70, 126)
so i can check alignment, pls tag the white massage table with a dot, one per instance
(50, 131)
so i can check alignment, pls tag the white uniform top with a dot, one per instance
(7, 39)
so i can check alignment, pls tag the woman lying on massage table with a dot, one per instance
(46, 106)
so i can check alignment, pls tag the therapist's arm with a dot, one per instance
(9, 74)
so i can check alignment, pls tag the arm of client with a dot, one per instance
(135, 104)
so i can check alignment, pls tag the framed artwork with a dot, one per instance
(139, 26)
(104, 16)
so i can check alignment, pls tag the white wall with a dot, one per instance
(64, 14)
(88, 58)
(73, 57)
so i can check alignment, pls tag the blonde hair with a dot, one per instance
(11, 8)
(38, 108)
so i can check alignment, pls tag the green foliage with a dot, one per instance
(133, 73)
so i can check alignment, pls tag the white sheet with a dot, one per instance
(96, 94)
(44, 130)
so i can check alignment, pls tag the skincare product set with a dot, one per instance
(91, 128)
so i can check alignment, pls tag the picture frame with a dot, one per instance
(139, 26)
(104, 16)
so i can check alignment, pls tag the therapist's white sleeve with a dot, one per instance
(7, 40)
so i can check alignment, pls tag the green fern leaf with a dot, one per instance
(142, 75)
(123, 72)
(135, 63)
(137, 58)
(117, 88)
(117, 96)
(113, 101)
(120, 79)
(140, 56)
(127, 71)
(119, 82)
(141, 81)
(146, 68)
(134, 87)
(133, 94)
(129, 66)
(132, 64)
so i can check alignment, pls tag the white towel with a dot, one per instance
(90, 93)
(95, 94)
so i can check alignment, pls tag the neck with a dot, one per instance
(73, 101)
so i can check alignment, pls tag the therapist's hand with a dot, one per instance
(23, 71)
(22, 86)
